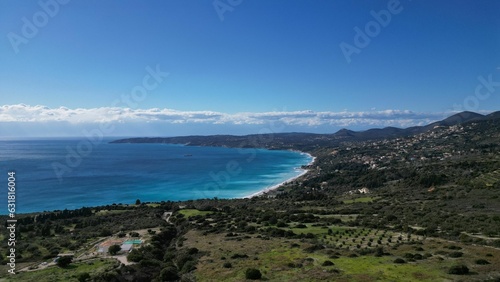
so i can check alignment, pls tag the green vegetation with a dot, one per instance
(64, 261)
(420, 207)
(459, 270)
(193, 212)
(114, 249)
(361, 200)
(253, 274)
(74, 272)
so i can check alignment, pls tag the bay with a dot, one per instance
(56, 174)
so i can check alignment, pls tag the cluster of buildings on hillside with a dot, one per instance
(436, 144)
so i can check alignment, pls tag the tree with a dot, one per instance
(113, 250)
(253, 274)
(138, 202)
(135, 256)
(46, 229)
(169, 273)
(64, 261)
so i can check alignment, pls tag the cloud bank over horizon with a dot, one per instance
(62, 121)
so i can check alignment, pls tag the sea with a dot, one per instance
(58, 174)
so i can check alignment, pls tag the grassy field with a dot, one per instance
(193, 212)
(361, 200)
(370, 268)
(271, 256)
(281, 259)
(56, 274)
(351, 249)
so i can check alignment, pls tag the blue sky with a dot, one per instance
(278, 60)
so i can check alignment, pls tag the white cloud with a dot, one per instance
(37, 114)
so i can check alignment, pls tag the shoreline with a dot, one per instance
(274, 187)
(266, 186)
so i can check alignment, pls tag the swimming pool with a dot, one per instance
(132, 242)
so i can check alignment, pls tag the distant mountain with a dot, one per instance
(494, 115)
(345, 133)
(310, 141)
(377, 133)
(459, 118)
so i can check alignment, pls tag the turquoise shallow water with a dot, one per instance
(69, 174)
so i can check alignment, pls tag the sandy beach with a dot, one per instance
(268, 189)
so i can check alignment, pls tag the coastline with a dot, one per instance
(107, 190)
(274, 187)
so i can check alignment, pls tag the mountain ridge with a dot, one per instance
(309, 141)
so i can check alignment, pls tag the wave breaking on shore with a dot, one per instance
(274, 187)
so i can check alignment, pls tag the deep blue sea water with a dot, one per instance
(68, 174)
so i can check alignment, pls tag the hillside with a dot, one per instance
(411, 207)
(309, 141)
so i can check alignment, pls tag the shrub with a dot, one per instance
(327, 263)
(482, 262)
(253, 274)
(281, 224)
(455, 254)
(418, 256)
(188, 266)
(295, 265)
(237, 256)
(83, 277)
(399, 260)
(64, 261)
(227, 265)
(458, 270)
